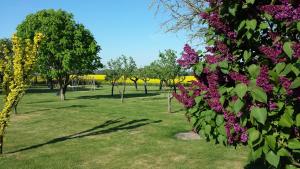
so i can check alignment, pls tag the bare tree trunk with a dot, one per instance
(123, 91)
(15, 108)
(160, 85)
(145, 86)
(61, 93)
(169, 102)
(50, 83)
(135, 85)
(112, 88)
(1, 144)
(63, 84)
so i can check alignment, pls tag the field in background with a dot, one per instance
(101, 79)
(91, 129)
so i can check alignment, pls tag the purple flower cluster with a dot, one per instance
(215, 21)
(238, 133)
(271, 52)
(188, 58)
(263, 79)
(284, 12)
(286, 83)
(238, 77)
(272, 105)
(197, 87)
(184, 98)
(213, 95)
(211, 59)
(296, 48)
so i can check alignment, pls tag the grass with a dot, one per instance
(91, 129)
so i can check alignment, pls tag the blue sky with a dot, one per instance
(126, 27)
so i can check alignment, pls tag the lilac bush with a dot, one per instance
(248, 86)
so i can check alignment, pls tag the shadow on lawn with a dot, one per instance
(97, 130)
(117, 96)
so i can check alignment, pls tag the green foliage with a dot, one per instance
(68, 49)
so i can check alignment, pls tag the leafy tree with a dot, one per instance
(69, 48)
(135, 77)
(127, 67)
(113, 73)
(17, 70)
(145, 74)
(5, 47)
(247, 87)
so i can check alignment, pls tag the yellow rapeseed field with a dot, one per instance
(101, 78)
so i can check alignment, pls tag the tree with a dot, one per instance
(69, 48)
(17, 70)
(145, 74)
(113, 72)
(5, 49)
(168, 70)
(135, 77)
(183, 17)
(127, 67)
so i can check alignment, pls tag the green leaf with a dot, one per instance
(283, 152)
(250, 1)
(219, 120)
(295, 70)
(298, 26)
(241, 25)
(272, 158)
(241, 90)
(286, 120)
(294, 144)
(271, 140)
(259, 94)
(253, 70)
(279, 67)
(298, 120)
(287, 48)
(207, 129)
(199, 68)
(251, 24)
(287, 69)
(232, 9)
(238, 105)
(253, 135)
(221, 139)
(223, 64)
(259, 114)
(246, 55)
(296, 83)
(255, 154)
(263, 25)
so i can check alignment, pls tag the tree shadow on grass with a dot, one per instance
(55, 108)
(258, 164)
(118, 96)
(97, 130)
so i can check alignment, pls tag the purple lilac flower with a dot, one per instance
(188, 58)
(238, 133)
(271, 52)
(214, 20)
(213, 96)
(272, 105)
(296, 48)
(238, 77)
(286, 83)
(184, 97)
(284, 12)
(211, 59)
(263, 79)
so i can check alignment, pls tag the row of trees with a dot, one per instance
(165, 68)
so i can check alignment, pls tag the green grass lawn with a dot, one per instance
(91, 129)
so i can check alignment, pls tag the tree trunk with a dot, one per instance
(122, 93)
(169, 102)
(160, 85)
(61, 93)
(135, 85)
(112, 89)
(50, 83)
(1, 144)
(174, 86)
(145, 86)
(15, 108)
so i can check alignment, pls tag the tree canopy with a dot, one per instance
(68, 48)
